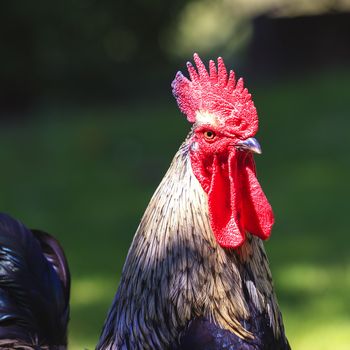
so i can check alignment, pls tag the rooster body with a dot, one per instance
(196, 275)
(34, 289)
(181, 290)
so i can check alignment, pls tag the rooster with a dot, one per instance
(196, 275)
(34, 289)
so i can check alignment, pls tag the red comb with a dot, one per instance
(218, 93)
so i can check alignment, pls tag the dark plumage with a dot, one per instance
(205, 335)
(34, 288)
(202, 334)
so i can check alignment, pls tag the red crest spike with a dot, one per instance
(216, 93)
(231, 82)
(222, 72)
(192, 72)
(203, 73)
(213, 72)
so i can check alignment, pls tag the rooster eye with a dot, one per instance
(209, 135)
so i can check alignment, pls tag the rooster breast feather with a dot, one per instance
(34, 286)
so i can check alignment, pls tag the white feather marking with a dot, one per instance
(204, 117)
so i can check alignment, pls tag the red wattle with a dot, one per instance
(236, 201)
(257, 214)
(223, 201)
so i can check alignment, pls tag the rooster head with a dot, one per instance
(221, 150)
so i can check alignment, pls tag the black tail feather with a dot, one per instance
(55, 255)
(34, 285)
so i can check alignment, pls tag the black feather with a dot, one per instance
(202, 334)
(34, 286)
(206, 335)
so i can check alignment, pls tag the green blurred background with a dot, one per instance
(89, 126)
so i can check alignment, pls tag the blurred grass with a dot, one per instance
(86, 176)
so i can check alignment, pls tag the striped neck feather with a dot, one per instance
(175, 270)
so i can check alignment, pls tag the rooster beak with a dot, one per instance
(250, 144)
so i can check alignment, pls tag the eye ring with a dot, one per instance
(209, 135)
